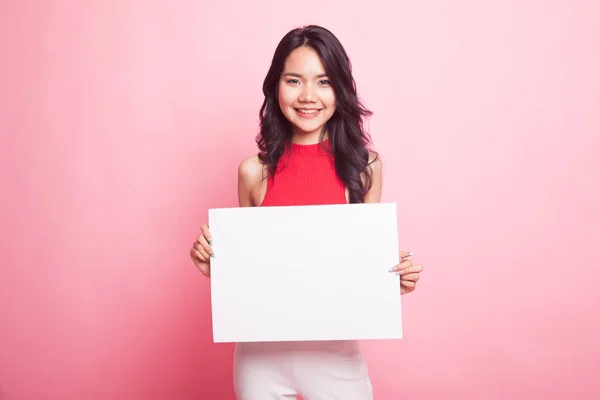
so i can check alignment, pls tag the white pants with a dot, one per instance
(331, 370)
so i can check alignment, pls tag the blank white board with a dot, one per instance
(305, 273)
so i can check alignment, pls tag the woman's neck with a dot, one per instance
(308, 138)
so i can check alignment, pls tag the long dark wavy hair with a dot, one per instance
(349, 141)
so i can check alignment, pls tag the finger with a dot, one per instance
(205, 246)
(406, 290)
(197, 255)
(204, 267)
(405, 254)
(408, 284)
(200, 250)
(410, 269)
(410, 277)
(403, 265)
(197, 258)
(206, 233)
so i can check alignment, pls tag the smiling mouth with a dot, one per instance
(308, 111)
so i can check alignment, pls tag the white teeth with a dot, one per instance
(308, 111)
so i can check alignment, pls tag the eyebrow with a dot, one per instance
(295, 75)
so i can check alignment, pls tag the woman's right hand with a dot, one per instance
(201, 251)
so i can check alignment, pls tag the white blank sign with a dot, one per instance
(305, 273)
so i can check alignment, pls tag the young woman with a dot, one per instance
(313, 150)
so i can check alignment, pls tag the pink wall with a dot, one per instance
(121, 122)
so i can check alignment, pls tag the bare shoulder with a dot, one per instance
(374, 166)
(250, 169)
(375, 163)
(250, 179)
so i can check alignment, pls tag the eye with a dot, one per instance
(324, 82)
(293, 81)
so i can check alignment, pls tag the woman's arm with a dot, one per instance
(375, 167)
(409, 273)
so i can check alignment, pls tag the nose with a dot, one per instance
(308, 94)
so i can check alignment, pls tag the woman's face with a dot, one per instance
(306, 97)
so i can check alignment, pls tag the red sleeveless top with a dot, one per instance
(305, 176)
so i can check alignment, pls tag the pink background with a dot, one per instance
(121, 122)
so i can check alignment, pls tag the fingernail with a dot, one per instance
(410, 253)
(212, 254)
(399, 273)
(210, 241)
(391, 270)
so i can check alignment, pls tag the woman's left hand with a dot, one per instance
(409, 273)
